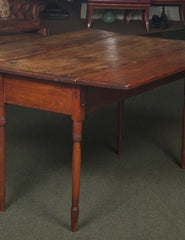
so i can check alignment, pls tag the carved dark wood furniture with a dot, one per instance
(70, 74)
(144, 5)
(179, 3)
(24, 17)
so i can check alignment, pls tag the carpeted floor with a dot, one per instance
(137, 196)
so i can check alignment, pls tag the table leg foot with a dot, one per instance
(120, 127)
(74, 218)
(2, 204)
(183, 160)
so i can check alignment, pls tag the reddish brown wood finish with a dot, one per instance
(77, 117)
(5, 39)
(95, 58)
(79, 72)
(76, 164)
(18, 25)
(40, 95)
(96, 98)
(2, 145)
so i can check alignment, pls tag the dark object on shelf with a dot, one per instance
(53, 11)
(172, 3)
(160, 22)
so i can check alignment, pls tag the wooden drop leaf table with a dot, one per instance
(79, 72)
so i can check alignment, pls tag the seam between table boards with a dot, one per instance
(52, 49)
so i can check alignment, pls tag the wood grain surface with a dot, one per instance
(94, 58)
(39, 95)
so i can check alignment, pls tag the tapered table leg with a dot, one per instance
(147, 19)
(89, 16)
(76, 165)
(183, 136)
(183, 13)
(180, 13)
(120, 127)
(2, 147)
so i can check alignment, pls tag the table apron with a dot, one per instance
(68, 99)
(38, 94)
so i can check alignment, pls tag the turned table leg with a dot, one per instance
(147, 19)
(183, 12)
(2, 147)
(76, 164)
(183, 136)
(180, 13)
(120, 126)
(89, 16)
(127, 16)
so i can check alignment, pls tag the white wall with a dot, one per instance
(171, 12)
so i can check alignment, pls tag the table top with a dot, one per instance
(93, 58)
